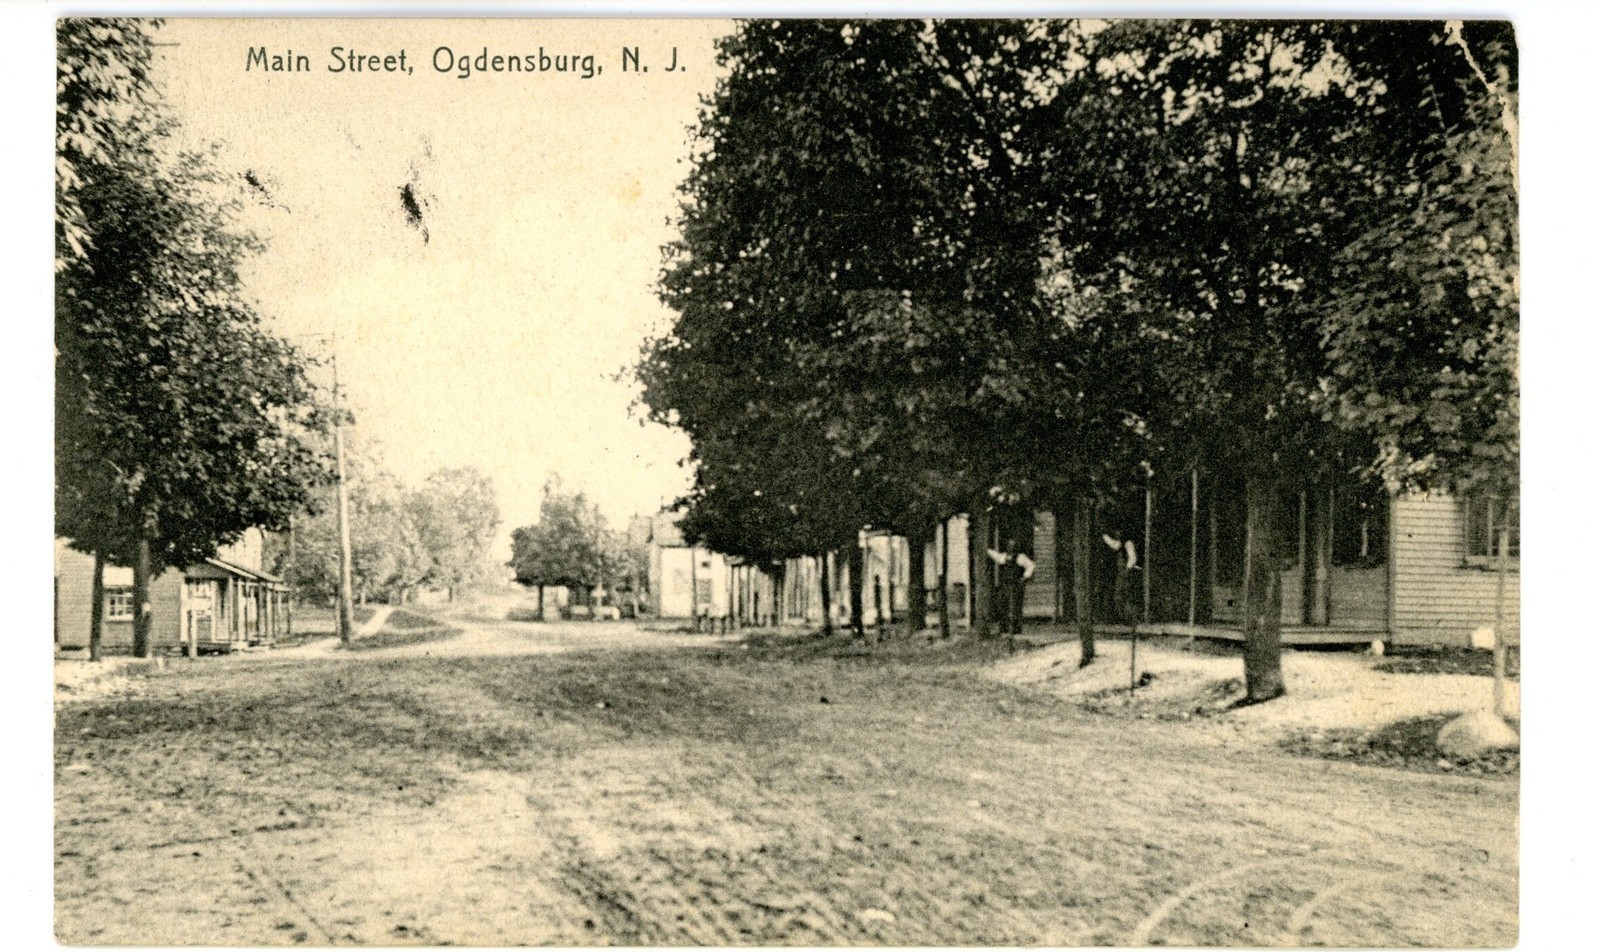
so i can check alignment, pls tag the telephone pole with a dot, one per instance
(346, 609)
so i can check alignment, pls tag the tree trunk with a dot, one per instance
(1263, 593)
(777, 592)
(142, 648)
(288, 597)
(694, 587)
(97, 606)
(878, 619)
(346, 613)
(827, 595)
(944, 578)
(917, 573)
(979, 529)
(1083, 577)
(858, 571)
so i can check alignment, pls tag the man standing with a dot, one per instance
(1125, 600)
(1015, 570)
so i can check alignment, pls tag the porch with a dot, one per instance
(1295, 634)
(224, 606)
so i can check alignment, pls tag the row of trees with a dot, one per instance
(939, 267)
(181, 422)
(439, 534)
(572, 545)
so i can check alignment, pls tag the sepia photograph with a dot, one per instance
(820, 482)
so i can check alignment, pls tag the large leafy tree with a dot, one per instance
(856, 267)
(388, 550)
(181, 422)
(569, 544)
(1423, 338)
(1206, 212)
(1253, 197)
(456, 515)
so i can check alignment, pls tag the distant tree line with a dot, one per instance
(928, 268)
(439, 535)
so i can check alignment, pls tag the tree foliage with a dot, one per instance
(571, 545)
(180, 420)
(933, 267)
(1423, 336)
(401, 538)
(457, 517)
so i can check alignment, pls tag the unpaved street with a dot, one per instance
(513, 786)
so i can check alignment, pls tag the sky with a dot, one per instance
(495, 341)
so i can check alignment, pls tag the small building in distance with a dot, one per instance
(684, 581)
(227, 601)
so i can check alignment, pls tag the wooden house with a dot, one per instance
(1356, 566)
(685, 581)
(223, 603)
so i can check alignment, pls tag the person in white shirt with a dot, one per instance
(1123, 600)
(1015, 570)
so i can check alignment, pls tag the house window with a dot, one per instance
(119, 603)
(1360, 527)
(1485, 517)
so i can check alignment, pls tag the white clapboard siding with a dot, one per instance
(1438, 596)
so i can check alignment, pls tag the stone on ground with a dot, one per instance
(1476, 733)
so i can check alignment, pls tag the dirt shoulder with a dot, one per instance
(1342, 697)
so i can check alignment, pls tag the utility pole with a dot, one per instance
(288, 602)
(346, 610)
(1503, 541)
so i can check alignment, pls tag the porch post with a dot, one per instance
(1321, 559)
(1149, 562)
(1194, 543)
(1305, 564)
(1327, 562)
(1211, 556)
(1058, 543)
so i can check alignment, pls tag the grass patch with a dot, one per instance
(316, 622)
(1443, 659)
(1409, 744)
(893, 646)
(405, 626)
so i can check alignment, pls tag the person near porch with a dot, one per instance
(1015, 570)
(1124, 590)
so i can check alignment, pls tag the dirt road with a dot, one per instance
(514, 785)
